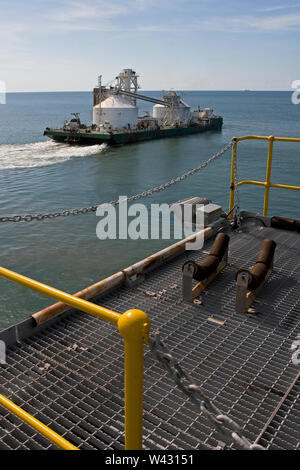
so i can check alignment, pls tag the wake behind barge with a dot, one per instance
(116, 120)
(234, 328)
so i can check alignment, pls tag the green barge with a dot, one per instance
(116, 120)
(91, 136)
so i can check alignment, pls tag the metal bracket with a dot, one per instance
(189, 292)
(187, 282)
(242, 282)
(244, 297)
(132, 280)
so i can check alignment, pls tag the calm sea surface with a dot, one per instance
(38, 176)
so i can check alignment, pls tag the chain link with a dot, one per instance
(228, 431)
(149, 192)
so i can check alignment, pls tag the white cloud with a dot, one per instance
(77, 11)
(159, 4)
(278, 23)
(13, 45)
(280, 7)
(241, 24)
(252, 23)
(106, 15)
(11, 33)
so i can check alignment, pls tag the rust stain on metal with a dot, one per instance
(116, 279)
(89, 292)
(164, 254)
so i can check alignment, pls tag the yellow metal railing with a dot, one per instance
(134, 327)
(267, 183)
(36, 424)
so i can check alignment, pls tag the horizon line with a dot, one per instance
(156, 90)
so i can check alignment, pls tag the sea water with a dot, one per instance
(41, 176)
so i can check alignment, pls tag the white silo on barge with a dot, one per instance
(184, 112)
(178, 112)
(115, 113)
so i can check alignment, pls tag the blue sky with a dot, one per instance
(182, 44)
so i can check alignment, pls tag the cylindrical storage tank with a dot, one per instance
(184, 112)
(159, 112)
(97, 115)
(115, 113)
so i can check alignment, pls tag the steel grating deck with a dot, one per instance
(70, 375)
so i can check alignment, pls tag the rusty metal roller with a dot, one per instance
(283, 223)
(212, 261)
(220, 246)
(263, 263)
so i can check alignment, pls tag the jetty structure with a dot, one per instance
(116, 120)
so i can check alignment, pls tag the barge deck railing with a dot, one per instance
(134, 327)
(60, 441)
(267, 183)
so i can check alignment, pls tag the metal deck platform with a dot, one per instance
(70, 374)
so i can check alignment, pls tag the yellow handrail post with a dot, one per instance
(134, 327)
(267, 184)
(268, 175)
(232, 177)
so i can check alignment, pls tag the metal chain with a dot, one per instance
(228, 431)
(149, 192)
(237, 198)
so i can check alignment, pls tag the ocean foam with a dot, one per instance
(43, 154)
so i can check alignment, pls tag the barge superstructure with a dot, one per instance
(116, 120)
